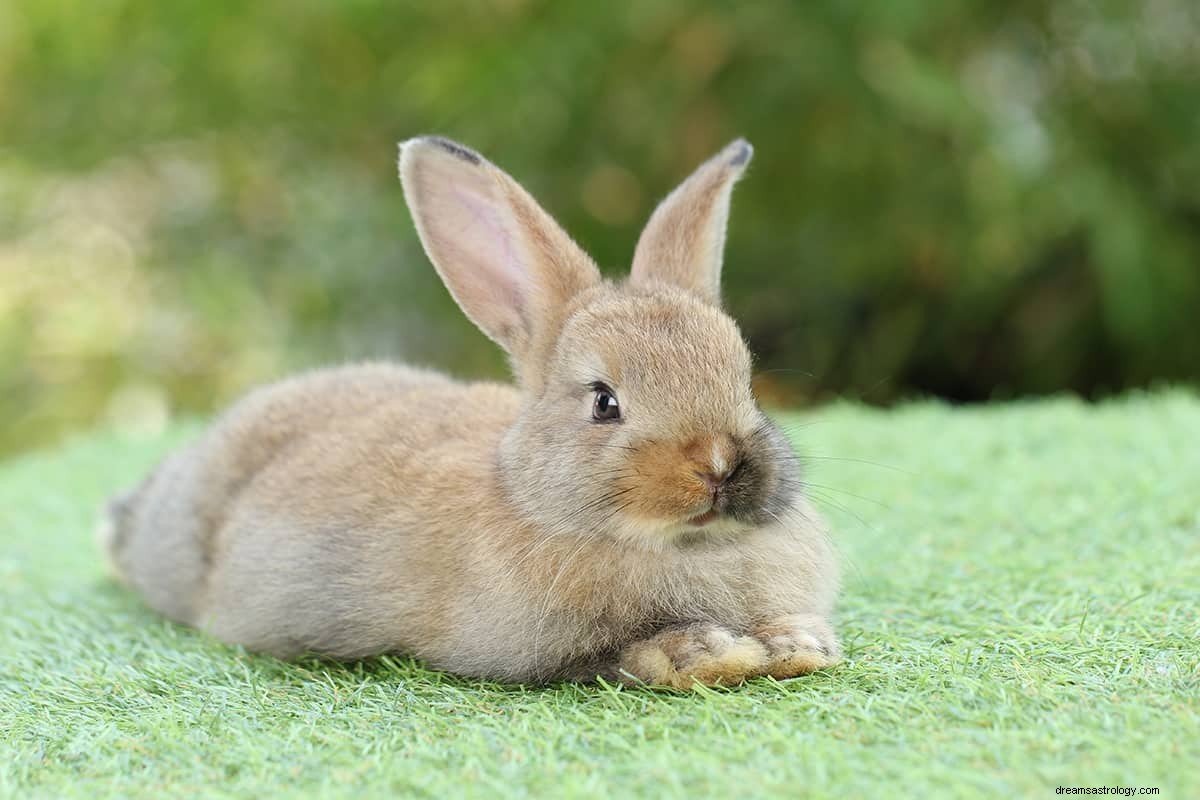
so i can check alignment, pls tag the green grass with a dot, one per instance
(1020, 612)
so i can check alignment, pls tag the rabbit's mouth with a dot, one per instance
(700, 520)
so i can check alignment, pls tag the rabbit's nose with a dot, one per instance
(714, 479)
(713, 460)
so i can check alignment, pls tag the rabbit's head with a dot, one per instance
(638, 420)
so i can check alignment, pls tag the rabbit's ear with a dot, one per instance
(684, 241)
(509, 266)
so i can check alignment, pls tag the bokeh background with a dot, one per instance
(973, 200)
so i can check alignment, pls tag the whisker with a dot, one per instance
(600, 445)
(599, 501)
(537, 544)
(802, 457)
(544, 614)
(783, 369)
(847, 493)
(773, 515)
(845, 510)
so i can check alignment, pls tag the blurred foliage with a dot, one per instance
(962, 198)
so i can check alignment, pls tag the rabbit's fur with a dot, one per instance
(502, 531)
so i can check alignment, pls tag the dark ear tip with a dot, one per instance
(740, 152)
(450, 146)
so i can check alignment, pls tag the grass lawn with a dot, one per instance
(1020, 612)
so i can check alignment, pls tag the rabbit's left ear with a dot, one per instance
(684, 241)
(509, 266)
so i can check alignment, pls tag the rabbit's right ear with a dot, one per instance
(684, 241)
(509, 266)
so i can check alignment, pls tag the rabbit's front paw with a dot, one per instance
(798, 644)
(699, 653)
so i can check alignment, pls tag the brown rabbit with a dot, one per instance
(624, 510)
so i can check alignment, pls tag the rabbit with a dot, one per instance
(625, 511)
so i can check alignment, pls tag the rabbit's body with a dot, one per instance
(378, 508)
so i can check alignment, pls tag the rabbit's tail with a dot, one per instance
(113, 528)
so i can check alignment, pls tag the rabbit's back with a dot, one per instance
(310, 459)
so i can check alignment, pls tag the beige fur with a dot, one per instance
(501, 531)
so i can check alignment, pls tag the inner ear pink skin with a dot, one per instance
(506, 269)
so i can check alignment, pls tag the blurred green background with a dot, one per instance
(975, 200)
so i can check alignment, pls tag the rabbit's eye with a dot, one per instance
(605, 407)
